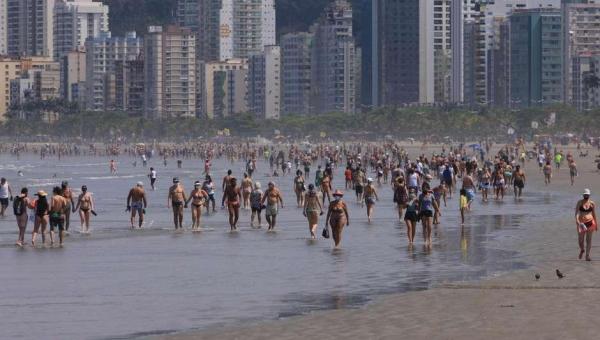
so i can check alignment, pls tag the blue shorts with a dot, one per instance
(470, 194)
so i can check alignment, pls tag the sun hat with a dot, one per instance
(587, 192)
(42, 193)
(140, 184)
(338, 193)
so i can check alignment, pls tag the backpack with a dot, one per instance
(19, 206)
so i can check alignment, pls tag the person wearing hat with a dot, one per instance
(199, 198)
(41, 217)
(177, 199)
(67, 193)
(85, 205)
(312, 209)
(273, 199)
(586, 222)
(137, 203)
(337, 217)
(209, 187)
(370, 198)
(256, 204)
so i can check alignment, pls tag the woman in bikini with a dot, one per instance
(400, 195)
(337, 217)
(486, 179)
(85, 204)
(312, 209)
(246, 190)
(42, 210)
(585, 220)
(326, 187)
(233, 195)
(199, 198)
(299, 188)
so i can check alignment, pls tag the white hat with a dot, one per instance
(587, 192)
(369, 179)
(140, 184)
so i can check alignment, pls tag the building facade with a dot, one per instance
(73, 73)
(403, 67)
(101, 54)
(334, 61)
(170, 72)
(30, 27)
(264, 83)
(74, 22)
(225, 90)
(296, 55)
(536, 57)
(129, 86)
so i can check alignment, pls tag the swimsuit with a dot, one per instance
(57, 220)
(137, 206)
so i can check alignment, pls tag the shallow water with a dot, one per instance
(118, 283)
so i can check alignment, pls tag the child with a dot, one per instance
(464, 205)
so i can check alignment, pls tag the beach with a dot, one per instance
(476, 281)
(513, 305)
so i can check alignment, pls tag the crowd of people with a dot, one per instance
(422, 186)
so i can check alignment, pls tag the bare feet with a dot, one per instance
(581, 254)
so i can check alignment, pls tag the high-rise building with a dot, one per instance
(101, 54)
(75, 21)
(170, 72)
(29, 27)
(581, 34)
(296, 55)
(129, 86)
(73, 73)
(264, 83)
(3, 27)
(442, 50)
(474, 61)
(536, 57)
(188, 14)
(498, 79)
(402, 52)
(225, 90)
(334, 61)
(228, 29)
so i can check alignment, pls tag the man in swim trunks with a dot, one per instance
(136, 203)
(177, 199)
(469, 185)
(273, 198)
(518, 181)
(58, 205)
(224, 185)
(5, 195)
(370, 198)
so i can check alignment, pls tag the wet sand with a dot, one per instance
(514, 305)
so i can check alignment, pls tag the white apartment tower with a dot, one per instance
(169, 72)
(75, 21)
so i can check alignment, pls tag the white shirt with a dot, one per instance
(153, 174)
(4, 190)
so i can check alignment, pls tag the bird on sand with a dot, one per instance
(559, 274)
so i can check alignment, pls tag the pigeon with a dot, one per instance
(559, 274)
(537, 276)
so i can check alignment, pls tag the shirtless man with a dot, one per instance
(233, 194)
(177, 199)
(274, 199)
(224, 185)
(370, 198)
(247, 190)
(113, 167)
(469, 185)
(85, 204)
(136, 203)
(518, 181)
(68, 195)
(58, 206)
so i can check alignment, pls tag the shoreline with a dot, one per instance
(511, 305)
